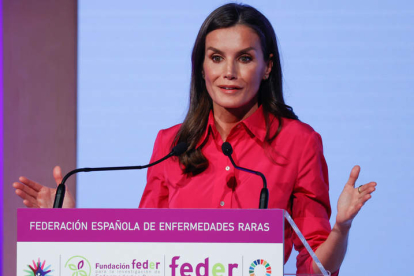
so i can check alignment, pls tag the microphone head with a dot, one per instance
(227, 149)
(179, 149)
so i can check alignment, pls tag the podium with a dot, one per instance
(146, 242)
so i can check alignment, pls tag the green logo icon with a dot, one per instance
(79, 266)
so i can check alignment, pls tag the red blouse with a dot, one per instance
(293, 164)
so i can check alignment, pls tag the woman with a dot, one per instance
(236, 96)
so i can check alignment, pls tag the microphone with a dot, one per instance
(264, 193)
(179, 149)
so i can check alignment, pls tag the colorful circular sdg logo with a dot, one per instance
(260, 267)
(79, 266)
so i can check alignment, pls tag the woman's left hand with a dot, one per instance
(352, 199)
(332, 252)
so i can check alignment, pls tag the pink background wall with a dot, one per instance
(39, 111)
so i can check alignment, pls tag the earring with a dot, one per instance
(266, 77)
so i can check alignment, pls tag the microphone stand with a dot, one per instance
(61, 189)
(264, 193)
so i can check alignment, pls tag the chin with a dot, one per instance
(233, 105)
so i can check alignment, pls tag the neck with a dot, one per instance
(226, 118)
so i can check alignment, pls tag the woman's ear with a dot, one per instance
(269, 66)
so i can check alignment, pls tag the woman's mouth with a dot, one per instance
(229, 88)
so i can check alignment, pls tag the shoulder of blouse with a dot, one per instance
(167, 135)
(296, 128)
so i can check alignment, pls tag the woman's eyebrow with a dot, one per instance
(222, 53)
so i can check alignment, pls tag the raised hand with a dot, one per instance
(35, 195)
(352, 199)
(332, 252)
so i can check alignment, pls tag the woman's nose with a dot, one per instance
(230, 71)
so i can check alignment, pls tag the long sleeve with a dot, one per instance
(311, 208)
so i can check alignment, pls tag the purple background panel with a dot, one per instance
(273, 217)
(39, 102)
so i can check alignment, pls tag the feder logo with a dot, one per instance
(205, 268)
(260, 267)
(79, 266)
(39, 269)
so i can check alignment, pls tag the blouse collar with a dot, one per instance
(255, 123)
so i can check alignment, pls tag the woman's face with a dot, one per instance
(234, 67)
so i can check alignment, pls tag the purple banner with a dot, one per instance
(150, 225)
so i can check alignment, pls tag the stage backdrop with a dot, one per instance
(347, 72)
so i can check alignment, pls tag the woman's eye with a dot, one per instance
(245, 59)
(216, 58)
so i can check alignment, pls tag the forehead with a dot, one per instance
(233, 38)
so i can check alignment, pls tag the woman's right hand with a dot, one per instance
(35, 195)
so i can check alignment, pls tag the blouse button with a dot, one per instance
(221, 203)
(227, 169)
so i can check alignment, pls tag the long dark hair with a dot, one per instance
(270, 92)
